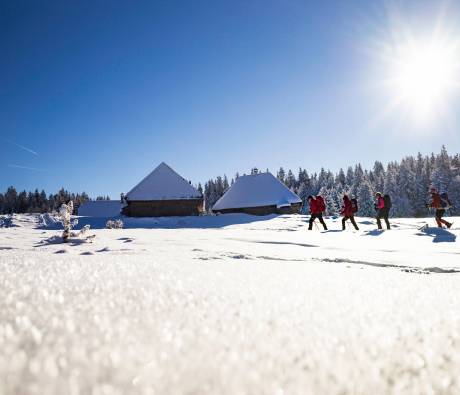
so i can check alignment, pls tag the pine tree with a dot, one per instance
(200, 189)
(341, 179)
(281, 175)
(421, 184)
(349, 178)
(365, 199)
(290, 180)
(441, 175)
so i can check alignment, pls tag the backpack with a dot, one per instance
(354, 205)
(387, 201)
(321, 204)
(445, 202)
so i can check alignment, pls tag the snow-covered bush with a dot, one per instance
(65, 213)
(114, 224)
(6, 221)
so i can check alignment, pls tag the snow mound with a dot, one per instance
(257, 190)
(163, 183)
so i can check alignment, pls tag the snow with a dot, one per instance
(230, 304)
(100, 208)
(163, 183)
(257, 190)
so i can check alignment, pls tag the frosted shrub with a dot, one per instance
(6, 221)
(114, 224)
(65, 214)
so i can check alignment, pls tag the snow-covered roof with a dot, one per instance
(258, 190)
(100, 208)
(163, 183)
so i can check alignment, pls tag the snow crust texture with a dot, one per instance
(261, 307)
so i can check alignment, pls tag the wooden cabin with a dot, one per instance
(258, 194)
(163, 193)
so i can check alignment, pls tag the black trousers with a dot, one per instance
(438, 216)
(312, 219)
(440, 213)
(352, 220)
(383, 214)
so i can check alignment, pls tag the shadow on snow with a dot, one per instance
(439, 235)
(198, 222)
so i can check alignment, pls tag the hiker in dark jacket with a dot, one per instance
(348, 212)
(440, 205)
(383, 210)
(317, 207)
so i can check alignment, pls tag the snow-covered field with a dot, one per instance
(230, 305)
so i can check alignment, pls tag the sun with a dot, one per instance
(423, 76)
(417, 71)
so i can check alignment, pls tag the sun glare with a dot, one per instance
(419, 71)
(423, 77)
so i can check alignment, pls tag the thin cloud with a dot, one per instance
(29, 150)
(26, 167)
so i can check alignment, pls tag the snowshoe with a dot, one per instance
(423, 227)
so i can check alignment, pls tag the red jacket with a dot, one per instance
(321, 203)
(314, 207)
(436, 200)
(380, 203)
(347, 209)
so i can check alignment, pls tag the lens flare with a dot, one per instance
(417, 71)
(423, 77)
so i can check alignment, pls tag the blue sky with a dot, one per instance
(95, 94)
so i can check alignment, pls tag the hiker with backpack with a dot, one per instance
(349, 208)
(440, 202)
(317, 207)
(382, 205)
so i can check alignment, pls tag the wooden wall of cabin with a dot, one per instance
(265, 210)
(163, 208)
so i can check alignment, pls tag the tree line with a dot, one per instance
(407, 182)
(13, 201)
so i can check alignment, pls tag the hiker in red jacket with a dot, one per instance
(383, 209)
(348, 212)
(317, 207)
(440, 205)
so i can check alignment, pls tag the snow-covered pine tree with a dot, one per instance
(406, 184)
(454, 187)
(303, 193)
(421, 183)
(225, 183)
(357, 180)
(365, 199)
(391, 188)
(281, 174)
(340, 179)
(378, 177)
(441, 175)
(334, 200)
(322, 180)
(350, 178)
(290, 180)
